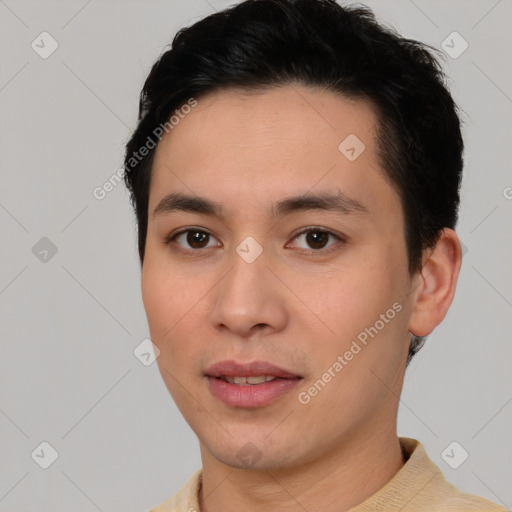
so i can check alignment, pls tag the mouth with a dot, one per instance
(255, 372)
(247, 381)
(249, 385)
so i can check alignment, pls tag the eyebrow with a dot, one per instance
(336, 202)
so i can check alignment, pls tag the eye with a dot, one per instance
(195, 238)
(317, 239)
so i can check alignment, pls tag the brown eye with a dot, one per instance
(192, 239)
(197, 239)
(317, 240)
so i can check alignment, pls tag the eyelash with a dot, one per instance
(340, 240)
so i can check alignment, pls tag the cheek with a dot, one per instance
(156, 299)
(351, 298)
(164, 294)
(175, 310)
(363, 302)
(165, 306)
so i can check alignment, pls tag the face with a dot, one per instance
(318, 289)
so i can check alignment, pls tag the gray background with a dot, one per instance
(69, 325)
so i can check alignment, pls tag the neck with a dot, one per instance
(335, 482)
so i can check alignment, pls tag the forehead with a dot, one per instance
(254, 148)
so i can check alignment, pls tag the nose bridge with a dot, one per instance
(244, 286)
(248, 295)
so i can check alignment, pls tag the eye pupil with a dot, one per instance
(317, 238)
(194, 237)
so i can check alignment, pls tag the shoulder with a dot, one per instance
(420, 486)
(451, 499)
(438, 494)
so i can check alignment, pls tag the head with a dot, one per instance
(250, 107)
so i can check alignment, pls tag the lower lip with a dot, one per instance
(256, 395)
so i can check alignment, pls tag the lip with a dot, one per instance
(249, 396)
(233, 368)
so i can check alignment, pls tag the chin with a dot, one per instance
(257, 455)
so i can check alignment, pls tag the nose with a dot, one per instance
(249, 299)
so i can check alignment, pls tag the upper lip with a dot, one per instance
(237, 369)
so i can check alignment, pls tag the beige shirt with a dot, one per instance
(419, 486)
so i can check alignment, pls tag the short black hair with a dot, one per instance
(261, 44)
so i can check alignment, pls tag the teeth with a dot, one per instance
(244, 381)
(256, 380)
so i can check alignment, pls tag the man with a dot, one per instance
(295, 175)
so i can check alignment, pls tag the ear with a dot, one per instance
(434, 287)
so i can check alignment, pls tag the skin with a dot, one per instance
(292, 306)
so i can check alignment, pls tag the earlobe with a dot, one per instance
(434, 287)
